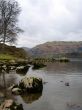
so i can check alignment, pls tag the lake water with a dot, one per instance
(56, 95)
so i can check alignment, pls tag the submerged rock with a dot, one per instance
(67, 84)
(10, 105)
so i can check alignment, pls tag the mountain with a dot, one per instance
(26, 49)
(14, 51)
(57, 49)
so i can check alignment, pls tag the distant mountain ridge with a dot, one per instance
(57, 49)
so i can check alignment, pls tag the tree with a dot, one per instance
(9, 11)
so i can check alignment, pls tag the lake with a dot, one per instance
(55, 95)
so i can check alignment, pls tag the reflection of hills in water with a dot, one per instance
(29, 98)
(65, 68)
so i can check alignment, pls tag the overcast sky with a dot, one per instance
(50, 20)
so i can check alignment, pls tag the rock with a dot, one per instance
(13, 67)
(61, 81)
(31, 84)
(4, 67)
(28, 85)
(10, 105)
(16, 91)
(38, 65)
(22, 69)
(13, 86)
(67, 84)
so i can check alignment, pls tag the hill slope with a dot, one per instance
(57, 49)
(12, 50)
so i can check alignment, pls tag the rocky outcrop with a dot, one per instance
(22, 69)
(28, 85)
(10, 105)
(31, 84)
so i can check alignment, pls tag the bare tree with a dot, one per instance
(9, 11)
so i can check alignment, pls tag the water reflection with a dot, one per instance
(29, 98)
(55, 95)
(21, 72)
(7, 79)
(64, 68)
(73, 106)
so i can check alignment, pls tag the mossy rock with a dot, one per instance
(31, 84)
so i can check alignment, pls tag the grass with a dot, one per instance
(6, 57)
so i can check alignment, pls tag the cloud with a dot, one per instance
(50, 20)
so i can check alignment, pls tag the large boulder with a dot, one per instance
(31, 84)
(28, 85)
(10, 105)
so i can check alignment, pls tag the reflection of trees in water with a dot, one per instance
(29, 98)
(4, 84)
(7, 80)
(3, 87)
(71, 67)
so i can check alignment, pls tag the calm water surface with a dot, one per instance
(55, 95)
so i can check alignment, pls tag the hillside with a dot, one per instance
(12, 50)
(57, 49)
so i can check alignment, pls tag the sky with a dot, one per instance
(49, 20)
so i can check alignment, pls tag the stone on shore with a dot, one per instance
(10, 105)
